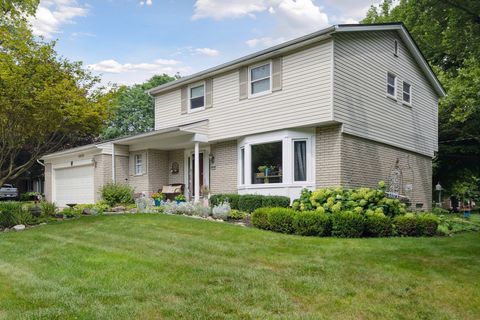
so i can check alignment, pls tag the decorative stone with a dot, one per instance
(19, 227)
(133, 210)
(118, 209)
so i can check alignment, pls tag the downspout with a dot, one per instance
(113, 162)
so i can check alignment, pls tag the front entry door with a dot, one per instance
(191, 173)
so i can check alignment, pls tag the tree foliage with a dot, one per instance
(448, 33)
(134, 111)
(46, 101)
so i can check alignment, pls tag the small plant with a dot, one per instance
(13, 213)
(201, 210)
(48, 209)
(237, 215)
(180, 198)
(158, 196)
(116, 193)
(221, 211)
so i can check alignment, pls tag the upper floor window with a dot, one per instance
(197, 97)
(407, 93)
(391, 85)
(260, 79)
(138, 164)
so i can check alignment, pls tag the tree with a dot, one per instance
(448, 33)
(134, 112)
(46, 102)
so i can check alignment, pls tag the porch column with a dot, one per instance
(196, 187)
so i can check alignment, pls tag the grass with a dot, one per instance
(159, 266)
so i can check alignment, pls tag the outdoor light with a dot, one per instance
(439, 188)
(211, 156)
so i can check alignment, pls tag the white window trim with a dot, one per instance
(411, 94)
(394, 96)
(287, 137)
(253, 95)
(135, 158)
(190, 110)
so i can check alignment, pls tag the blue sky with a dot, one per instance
(128, 41)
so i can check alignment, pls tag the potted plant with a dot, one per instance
(158, 197)
(180, 198)
(262, 171)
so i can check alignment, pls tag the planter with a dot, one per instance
(158, 202)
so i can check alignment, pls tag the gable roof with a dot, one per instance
(304, 41)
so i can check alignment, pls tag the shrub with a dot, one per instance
(439, 211)
(260, 218)
(237, 215)
(221, 211)
(312, 223)
(13, 213)
(281, 219)
(406, 225)
(378, 225)
(71, 212)
(48, 208)
(427, 224)
(29, 196)
(249, 202)
(347, 224)
(116, 193)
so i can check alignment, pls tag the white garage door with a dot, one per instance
(74, 185)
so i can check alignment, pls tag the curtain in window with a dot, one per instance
(300, 161)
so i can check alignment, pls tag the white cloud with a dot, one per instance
(218, 9)
(148, 3)
(207, 51)
(113, 66)
(52, 14)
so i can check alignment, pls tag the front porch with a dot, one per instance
(149, 162)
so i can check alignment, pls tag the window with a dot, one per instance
(300, 160)
(267, 163)
(242, 165)
(391, 85)
(197, 97)
(138, 164)
(260, 79)
(407, 93)
(395, 48)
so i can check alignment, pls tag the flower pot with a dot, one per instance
(179, 201)
(158, 202)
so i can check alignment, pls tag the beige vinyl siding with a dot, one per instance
(361, 63)
(305, 99)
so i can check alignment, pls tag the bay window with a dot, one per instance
(300, 160)
(266, 160)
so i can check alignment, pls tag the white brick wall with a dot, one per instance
(223, 175)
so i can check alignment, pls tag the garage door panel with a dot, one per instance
(74, 185)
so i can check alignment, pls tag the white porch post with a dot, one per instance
(197, 172)
(113, 162)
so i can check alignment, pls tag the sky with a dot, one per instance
(128, 41)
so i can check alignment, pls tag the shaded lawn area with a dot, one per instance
(159, 266)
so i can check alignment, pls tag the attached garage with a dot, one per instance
(74, 185)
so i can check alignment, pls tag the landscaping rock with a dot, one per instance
(118, 209)
(19, 227)
(133, 210)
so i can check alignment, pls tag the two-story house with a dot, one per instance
(347, 106)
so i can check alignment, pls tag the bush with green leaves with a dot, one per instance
(237, 215)
(117, 193)
(249, 202)
(335, 200)
(48, 209)
(281, 220)
(221, 211)
(260, 218)
(415, 225)
(427, 224)
(347, 224)
(377, 224)
(312, 223)
(13, 213)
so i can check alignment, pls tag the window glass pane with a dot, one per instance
(196, 92)
(267, 163)
(300, 160)
(406, 97)
(391, 90)
(406, 87)
(260, 72)
(391, 79)
(196, 102)
(242, 166)
(260, 86)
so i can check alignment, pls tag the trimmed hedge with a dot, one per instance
(281, 220)
(249, 202)
(117, 193)
(347, 224)
(377, 225)
(312, 223)
(416, 225)
(260, 218)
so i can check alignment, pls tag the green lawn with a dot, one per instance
(159, 266)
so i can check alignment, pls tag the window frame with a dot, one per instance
(252, 169)
(137, 165)
(395, 48)
(394, 96)
(190, 87)
(253, 95)
(408, 103)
